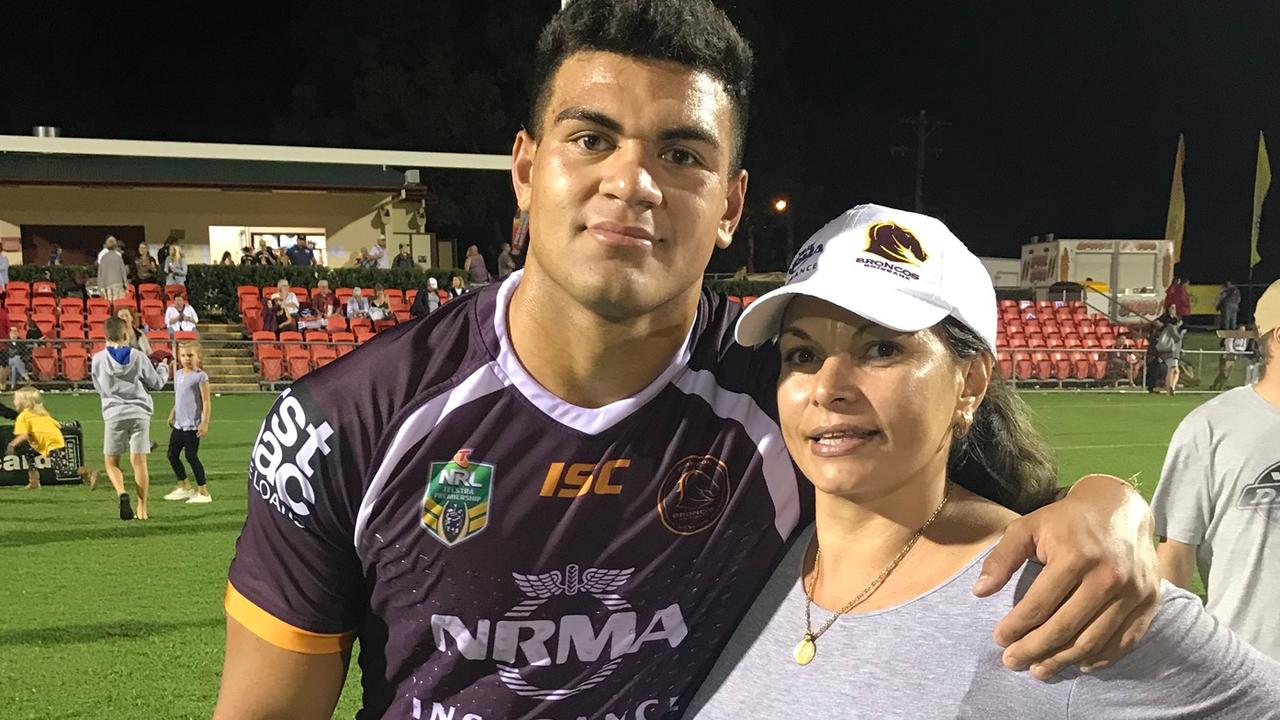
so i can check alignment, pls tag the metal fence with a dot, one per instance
(1122, 369)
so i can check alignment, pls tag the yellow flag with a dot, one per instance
(1261, 182)
(1177, 205)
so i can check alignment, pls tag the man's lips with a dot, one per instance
(619, 235)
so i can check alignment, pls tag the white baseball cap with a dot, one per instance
(898, 269)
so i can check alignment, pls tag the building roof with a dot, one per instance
(81, 161)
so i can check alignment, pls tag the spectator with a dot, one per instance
(138, 339)
(227, 259)
(247, 257)
(288, 299)
(379, 306)
(475, 265)
(1233, 350)
(403, 259)
(275, 318)
(325, 301)
(1228, 306)
(4, 318)
(108, 243)
(75, 286)
(15, 360)
(301, 254)
(506, 263)
(1216, 504)
(427, 301)
(282, 256)
(265, 255)
(376, 253)
(1178, 297)
(145, 267)
(55, 255)
(4, 271)
(163, 253)
(456, 287)
(180, 316)
(358, 306)
(309, 318)
(112, 274)
(356, 259)
(1168, 344)
(175, 267)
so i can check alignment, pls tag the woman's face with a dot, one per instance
(866, 410)
(125, 315)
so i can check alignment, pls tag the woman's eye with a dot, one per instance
(799, 356)
(884, 350)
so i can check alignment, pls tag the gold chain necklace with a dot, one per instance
(807, 647)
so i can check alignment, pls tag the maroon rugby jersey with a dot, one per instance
(499, 552)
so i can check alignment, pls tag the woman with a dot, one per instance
(920, 458)
(175, 267)
(357, 305)
(145, 267)
(227, 259)
(474, 264)
(139, 339)
(379, 306)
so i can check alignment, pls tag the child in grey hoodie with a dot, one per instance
(122, 377)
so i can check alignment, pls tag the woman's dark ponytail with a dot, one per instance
(1002, 457)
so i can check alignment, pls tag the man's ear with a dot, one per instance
(522, 154)
(735, 200)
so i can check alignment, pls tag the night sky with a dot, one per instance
(1063, 117)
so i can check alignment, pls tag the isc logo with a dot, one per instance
(581, 479)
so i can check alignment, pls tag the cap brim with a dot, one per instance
(882, 304)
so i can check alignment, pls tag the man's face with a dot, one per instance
(323, 285)
(628, 189)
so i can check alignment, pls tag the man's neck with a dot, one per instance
(584, 358)
(1269, 386)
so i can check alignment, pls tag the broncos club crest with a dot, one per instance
(895, 243)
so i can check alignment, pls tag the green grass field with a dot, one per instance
(104, 619)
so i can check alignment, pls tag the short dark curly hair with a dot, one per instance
(692, 33)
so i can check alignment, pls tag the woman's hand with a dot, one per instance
(1100, 586)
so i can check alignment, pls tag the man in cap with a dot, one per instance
(1218, 504)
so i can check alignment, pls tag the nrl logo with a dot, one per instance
(455, 506)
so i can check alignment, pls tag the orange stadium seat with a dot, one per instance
(45, 359)
(75, 363)
(270, 362)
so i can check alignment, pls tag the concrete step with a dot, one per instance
(234, 387)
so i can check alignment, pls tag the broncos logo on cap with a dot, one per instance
(894, 242)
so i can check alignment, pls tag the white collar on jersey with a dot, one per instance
(590, 421)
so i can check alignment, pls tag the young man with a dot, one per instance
(556, 497)
(1218, 503)
(301, 254)
(123, 378)
(403, 260)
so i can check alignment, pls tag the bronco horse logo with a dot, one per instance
(894, 242)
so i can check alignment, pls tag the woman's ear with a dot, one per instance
(976, 380)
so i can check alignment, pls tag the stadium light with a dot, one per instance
(780, 205)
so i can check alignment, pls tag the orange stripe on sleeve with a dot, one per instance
(280, 633)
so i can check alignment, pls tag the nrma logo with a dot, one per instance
(518, 643)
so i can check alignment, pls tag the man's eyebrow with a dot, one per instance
(690, 133)
(583, 114)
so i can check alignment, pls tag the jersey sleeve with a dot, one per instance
(295, 580)
(1183, 501)
(23, 425)
(1189, 665)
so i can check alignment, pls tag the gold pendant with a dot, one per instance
(805, 650)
